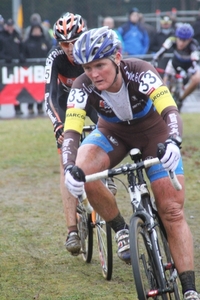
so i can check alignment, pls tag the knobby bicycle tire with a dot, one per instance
(148, 277)
(171, 273)
(104, 244)
(85, 229)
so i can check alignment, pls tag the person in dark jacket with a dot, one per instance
(2, 35)
(166, 30)
(36, 46)
(196, 27)
(161, 35)
(12, 49)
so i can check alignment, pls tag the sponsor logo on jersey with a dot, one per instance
(133, 76)
(53, 55)
(162, 93)
(112, 140)
(75, 115)
(104, 104)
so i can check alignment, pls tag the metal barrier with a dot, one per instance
(154, 18)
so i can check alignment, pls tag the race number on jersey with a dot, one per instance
(47, 76)
(77, 99)
(149, 82)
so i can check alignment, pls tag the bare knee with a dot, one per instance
(173, 213)
(169, 202)
(89, 163)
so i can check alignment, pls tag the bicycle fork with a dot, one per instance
(151, 238)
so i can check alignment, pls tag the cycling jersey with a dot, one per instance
(60, 74)
(142, 99)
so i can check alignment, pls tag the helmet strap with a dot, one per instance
(117, 65)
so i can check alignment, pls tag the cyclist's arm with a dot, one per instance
(194, 58)
(151, 84)
(166, 107)
(51, 87)
(168, 43)
(74, 122)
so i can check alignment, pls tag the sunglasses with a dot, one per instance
(67, 44)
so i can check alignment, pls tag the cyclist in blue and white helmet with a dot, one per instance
(136, 110)
(96, 44)
(184, 31)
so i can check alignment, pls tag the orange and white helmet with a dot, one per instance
(68, 27)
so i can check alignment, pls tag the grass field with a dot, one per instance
(33, 261)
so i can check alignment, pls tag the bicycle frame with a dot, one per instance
(145, 221)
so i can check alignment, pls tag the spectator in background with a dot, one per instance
(110, 22)
(166, 30)
(151, 30)
(12, 49)
(2, 35)
(35, 19)
(46, 24)
(134, 35)
(36, 46)
(196, 27)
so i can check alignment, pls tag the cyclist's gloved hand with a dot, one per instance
(191, 71)
(195, 66)
(74, 180)
(172, 155)
(58, 130)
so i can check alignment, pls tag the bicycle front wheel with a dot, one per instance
(84, 223)
(147, 280)
(104, 242)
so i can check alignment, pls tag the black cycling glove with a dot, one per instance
(58, 129)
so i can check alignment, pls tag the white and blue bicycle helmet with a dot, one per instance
(95, 44)
(184, 31)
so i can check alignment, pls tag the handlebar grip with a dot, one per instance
(161, 150)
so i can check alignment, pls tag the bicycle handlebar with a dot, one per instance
(177, 75)
(89, 128)
(124, 169)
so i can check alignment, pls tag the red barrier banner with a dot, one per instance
(22, 83)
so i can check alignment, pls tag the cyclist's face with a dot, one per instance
(102, 73)
(68, 49)
(181, 44)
